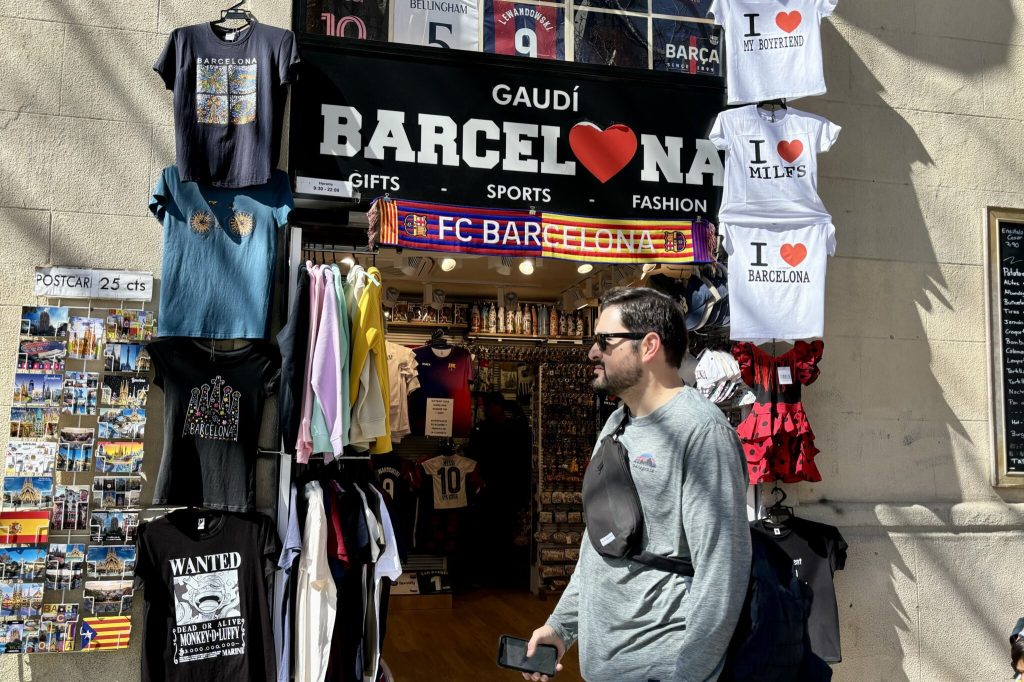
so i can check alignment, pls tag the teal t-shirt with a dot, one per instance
(220, 246)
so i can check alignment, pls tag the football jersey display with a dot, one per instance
(449, 475)
(524, 30)
(395, 477)
(437, 23)
(444, 373)
(773, 47)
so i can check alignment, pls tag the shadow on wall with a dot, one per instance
(884, 416)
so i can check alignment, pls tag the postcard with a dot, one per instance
(130, 325)
(119, 457)
(65, 565)
(123, 391)
(85, 338)
(20, 599)
(42, 355)
(126, 357)
(36, 423)
(70, 508)
(36, 390)
(74, 456)
(108, 597)
(109, 632)
(44, 321)
(122, 423)
(115, 527)
(29, 458)
(24, 526)
(19, 636)
(80, 392)
(27, 492)
(116, 492)
(110, 561)
(58, 628)
(20, 562)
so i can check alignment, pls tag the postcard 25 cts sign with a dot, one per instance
(64, 282)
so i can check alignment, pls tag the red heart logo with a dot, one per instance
(793, 254)
(603, 152)
(791, 151)
(788, 21)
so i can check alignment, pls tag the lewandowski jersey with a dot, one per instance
(450, 475)
(524, 30)
(443, 373)
(395, 476)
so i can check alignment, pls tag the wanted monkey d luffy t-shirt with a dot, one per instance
(207, 612)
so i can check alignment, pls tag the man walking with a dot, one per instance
(635, 623)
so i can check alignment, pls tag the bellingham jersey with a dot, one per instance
(450, 476)
(445, 374)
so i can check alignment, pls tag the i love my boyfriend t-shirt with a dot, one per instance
(207, 613)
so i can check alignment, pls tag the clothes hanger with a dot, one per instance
(437, 339)
(778, 513)
(235, 12)
(772, 105)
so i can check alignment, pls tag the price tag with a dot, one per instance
(342, 189)
(440, 413)
(785, 376)
(123, 285)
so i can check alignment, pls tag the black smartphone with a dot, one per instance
(512, 654)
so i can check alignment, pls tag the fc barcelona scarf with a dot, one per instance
(521, 234)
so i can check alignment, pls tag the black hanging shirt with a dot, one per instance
(207, 613)
(213, 407)
(817, 551)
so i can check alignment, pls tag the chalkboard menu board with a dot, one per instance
(1006, 307)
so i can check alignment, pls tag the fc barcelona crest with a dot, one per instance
(675, 241)
(416, 225)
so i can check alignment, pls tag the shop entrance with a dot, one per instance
(487, 461)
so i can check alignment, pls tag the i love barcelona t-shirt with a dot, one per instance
(777, 280)
(773, 47)
(771, 167)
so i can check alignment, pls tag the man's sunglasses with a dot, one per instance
(601, 338)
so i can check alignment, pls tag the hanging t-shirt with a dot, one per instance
(449, 475)
(817, 551)
(207, 613)
(228, 100)
(777, 280)
(395, 477)
(220, 246)
(403, 379)
(771, 165)
(443, 373)
(773, 47)
(213, 407)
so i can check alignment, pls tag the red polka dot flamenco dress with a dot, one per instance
(777, 438)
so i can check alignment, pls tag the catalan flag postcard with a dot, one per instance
(113, 632)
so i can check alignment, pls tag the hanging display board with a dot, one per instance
(1006, 333)
(480, 130)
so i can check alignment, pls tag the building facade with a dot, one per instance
(928, 94)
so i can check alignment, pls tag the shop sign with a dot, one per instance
(122, 285)
(522, 234)
(479, 130)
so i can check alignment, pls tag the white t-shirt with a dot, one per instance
(316, 594)
(771, 168)
(773, 47)
(438, 23)
(403, 379)
(448, 473)
(777, 280)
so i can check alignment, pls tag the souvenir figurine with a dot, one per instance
(474, 319)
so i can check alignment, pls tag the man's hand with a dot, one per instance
(544, 635)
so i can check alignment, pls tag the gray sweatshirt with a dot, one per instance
(635, 623)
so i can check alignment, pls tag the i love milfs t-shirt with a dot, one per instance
(773, 47)
(771, 166)
(777, 280)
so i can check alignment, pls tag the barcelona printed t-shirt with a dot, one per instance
(229, 98)
(213, 408)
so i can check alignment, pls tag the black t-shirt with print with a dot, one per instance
(205, 575)
(213, 407)
(817, 551)
(229, 100)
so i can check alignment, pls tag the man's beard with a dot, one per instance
(622, 380)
